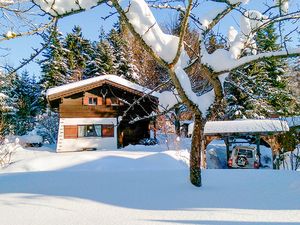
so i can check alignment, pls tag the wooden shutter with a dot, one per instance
(99, 101)
(85, 100)
(107, 130)
(70, 132)
(108, 101)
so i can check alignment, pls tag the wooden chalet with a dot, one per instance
(97, 113)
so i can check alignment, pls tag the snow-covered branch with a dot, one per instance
(227, 64)
(63, 8)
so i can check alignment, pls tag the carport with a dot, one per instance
(253, 130)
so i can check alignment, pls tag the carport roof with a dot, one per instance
(265, 126)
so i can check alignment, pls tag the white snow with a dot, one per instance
(222, 78)
(168, 99)
(293, 121)
(239, 1)
(112, 78)
(3, 96)
(145, 24)
(165, 45)
(61, 7)
(226, 60)
(291, 160)
(221, 60)
(251, 20)
(206, 19)
(203, 101)
(31, 138)
(284, 7)
(245, 126)
(232, 33)
(126, 187)
(6, 2)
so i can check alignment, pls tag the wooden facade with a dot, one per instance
(105, 99)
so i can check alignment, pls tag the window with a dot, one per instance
(114, 101)
(107, 130)
(247, 153)
(96, 130)
(70, 132)
(89, 130)
(92, 101)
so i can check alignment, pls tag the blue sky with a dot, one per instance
(91, 22)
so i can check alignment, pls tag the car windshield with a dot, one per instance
(248, 153)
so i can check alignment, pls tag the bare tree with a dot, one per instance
(169, 52)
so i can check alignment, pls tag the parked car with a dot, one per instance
(244, 157)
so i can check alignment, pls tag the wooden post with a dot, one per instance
(227, 148)
(258, 147)
(203, 154)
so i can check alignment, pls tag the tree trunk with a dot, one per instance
(195, 157)
(177, 122)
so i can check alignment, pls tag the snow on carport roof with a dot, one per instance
(245, 126)
(292, 121)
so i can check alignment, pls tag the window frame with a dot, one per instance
(92, 101)
(85, 130)
(103, 134)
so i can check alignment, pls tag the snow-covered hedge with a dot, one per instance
(30, 139)
(7, 149)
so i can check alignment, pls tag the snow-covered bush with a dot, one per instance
(290, 160)
(47, 127)
(7, 149)
(32, 139)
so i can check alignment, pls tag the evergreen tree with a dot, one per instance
(102, 61)
(7, 104)
(260, 89)
(79, 52)
(123, 63)
(54, 65)
(27, 92)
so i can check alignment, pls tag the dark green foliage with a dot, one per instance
(7, 104)
(78, 54)
(27, 93)
(54, 65)
(21, 104)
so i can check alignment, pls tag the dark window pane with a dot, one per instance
(89, 130)
(92, 101)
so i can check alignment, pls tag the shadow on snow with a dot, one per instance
(160, 182)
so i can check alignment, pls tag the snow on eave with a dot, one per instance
(112, 78)
(245, 126)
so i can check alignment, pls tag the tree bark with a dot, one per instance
(195, 155)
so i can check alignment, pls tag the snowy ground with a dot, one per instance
(140, 187)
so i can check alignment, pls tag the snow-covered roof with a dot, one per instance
(293, 121)
(245, 126)
(112, 78)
